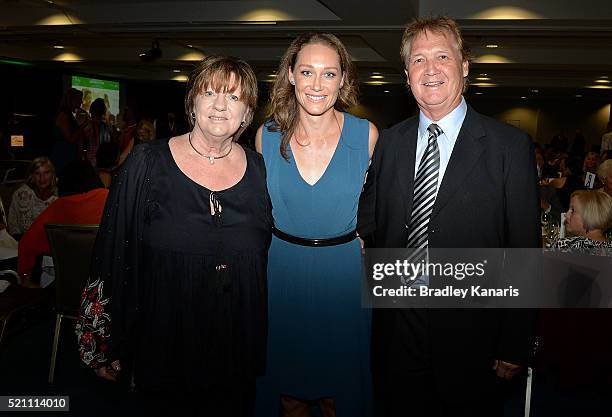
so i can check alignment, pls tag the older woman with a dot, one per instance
(33, 197)
(604, 172)
(316, 158)
(178, 282)
(588, 218)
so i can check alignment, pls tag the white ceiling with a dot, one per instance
(543, 44)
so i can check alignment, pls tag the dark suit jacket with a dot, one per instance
(488, 198)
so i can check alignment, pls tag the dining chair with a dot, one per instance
(72, 248)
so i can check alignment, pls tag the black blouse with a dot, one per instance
(180, 291)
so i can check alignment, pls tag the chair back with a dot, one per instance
(72, 248)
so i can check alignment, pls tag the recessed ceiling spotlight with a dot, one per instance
(602, 81)
(58, 46)
(483, 78)
(523, 97)
(478, 93)
(604, 76)
(189, 45)
(176, 70)
(377, 76)
(386, 91)
(492, 45)
(483, 74)
(535, 90)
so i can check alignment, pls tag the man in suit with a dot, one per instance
(447, 178)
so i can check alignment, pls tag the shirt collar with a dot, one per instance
(450, 124)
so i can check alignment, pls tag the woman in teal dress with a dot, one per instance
(316, 158)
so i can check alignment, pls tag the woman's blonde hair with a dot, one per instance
(215, 72)
(34, 165)
(284, 112)
(595, 209)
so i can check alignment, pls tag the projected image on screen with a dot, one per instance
(93, 89)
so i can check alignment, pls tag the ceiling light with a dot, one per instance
(189, 45)
(68, 57)
(478, 93)
(377, 76)
(483, 74)
(181, 78)
(600, 87)
(484, 84)
(386, 91)
(604, 76)
(483, 78)
(535, 90)
(578, 95)
(176, 70)
(377, 82)
(492, 45)
(152, 54)
(58, 46)
(523, 97)
(602, 81)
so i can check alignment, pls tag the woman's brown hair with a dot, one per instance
(284, 112)
(215, 72)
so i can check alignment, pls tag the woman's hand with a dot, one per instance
(110, 373)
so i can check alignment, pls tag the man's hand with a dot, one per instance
(110, 373)
(506, 370)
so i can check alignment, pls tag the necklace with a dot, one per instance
(211, 158)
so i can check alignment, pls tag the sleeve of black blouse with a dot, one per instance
(110, 301)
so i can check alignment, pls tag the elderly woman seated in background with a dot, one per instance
(33, 197)
(81, 201)
(588, 218)
(604, 172)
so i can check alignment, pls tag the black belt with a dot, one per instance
(332, 241)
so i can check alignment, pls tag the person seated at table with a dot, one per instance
(33, 197)
(588, 218)
(590, 164)
(604, 172)
(571, 180)
(82, 199)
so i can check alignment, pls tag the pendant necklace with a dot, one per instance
(210, 158)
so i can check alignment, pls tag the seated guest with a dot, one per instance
(588, 218)
(107, 160)
(572, 179)
(591, 162)
(82, 198)
(33, 197)
(604, 172)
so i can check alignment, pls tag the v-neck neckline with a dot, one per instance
(297, 170)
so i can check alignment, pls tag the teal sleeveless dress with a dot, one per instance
(318, 340)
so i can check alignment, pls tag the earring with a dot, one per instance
(242, 123)
(292, 82)
(193, 115)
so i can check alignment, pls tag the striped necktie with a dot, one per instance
(425, 190)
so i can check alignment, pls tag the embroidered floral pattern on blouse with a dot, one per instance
(93, 326)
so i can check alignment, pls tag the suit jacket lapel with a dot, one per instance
(466, 153)
(404, 161)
